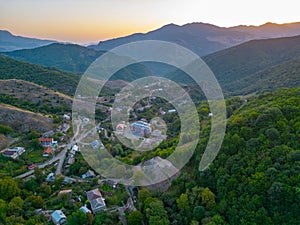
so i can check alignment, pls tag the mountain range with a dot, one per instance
(250, 67)
(10, 42)
(202, 38)
(205, 38)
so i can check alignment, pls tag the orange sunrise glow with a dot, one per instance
(91, 20)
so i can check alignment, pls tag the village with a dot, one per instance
(59, 157)
(62, 154)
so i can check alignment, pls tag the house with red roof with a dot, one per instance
(46, 142)
(48, 150)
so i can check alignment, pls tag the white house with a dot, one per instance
(13, 152)
(66, 117)
(85, 209)
(171, 110)
(74, 149)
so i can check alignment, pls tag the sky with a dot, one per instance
(90, 21)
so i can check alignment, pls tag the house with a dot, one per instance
(48, 134)
(70, 160)
(68, 180)
(58, 217)
(120, 128)
(50, 177)
(97, 143)
(96, 200)
(67, 193)
(112, 183)
(140, 128)
(171, 110)
(48, 150)
(13, 152)
(74, 149)
(46, 142)
(65, 127)
(161, 112)
(10, 154)
(32, 166)
(66, 117)
(88, 174)
(85, 209)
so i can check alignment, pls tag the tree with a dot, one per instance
(38, 173)
(208, 198)
(103, 219)
(156, 220)
(3, 211)
(77, 218)
(217, 220)
(135, 218)
(5, 129)
(58, 182)
(15, 206)
(13, 220)
(198, 213)
(155, 212)
(44, 190)
(143, 195)
(31, 185)
(183, 203)
(35, 201)
(8, 189)
(35, 144)
(116, 150)
(194, 222)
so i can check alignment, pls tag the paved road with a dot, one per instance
(59, 157)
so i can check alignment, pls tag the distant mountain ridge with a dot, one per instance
(68, 57)
(72, 58)
(205, 38)
(245, 59)
(10, 42)
(253, 67)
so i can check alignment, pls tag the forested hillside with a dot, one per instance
(253, 67)
(286, 74)
(69, 57)
(46, 76)
(255, 178)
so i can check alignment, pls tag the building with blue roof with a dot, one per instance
(140, 128)
(58, 217)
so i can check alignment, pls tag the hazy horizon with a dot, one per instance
(97, 41)
(91, 21)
